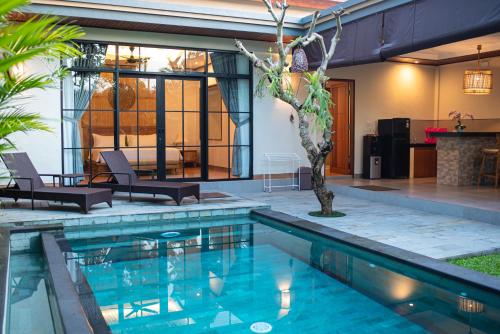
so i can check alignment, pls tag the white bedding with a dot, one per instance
(147, 155)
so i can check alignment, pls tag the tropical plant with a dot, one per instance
(44, 37)
(315, 108)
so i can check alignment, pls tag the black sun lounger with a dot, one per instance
(29, 185)
(125, 180)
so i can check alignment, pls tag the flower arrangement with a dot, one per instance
(458, 116)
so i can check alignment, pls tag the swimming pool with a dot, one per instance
(254, 275)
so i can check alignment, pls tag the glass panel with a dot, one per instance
(215, 103)
(102, 97)
(162, 60)
(128, 128)
(192, 129)
(191, 162)
(191, 95)
(173, 95)
(129, 58)
(95, 55)
(127, 94)
(173, 162)
(76, 134)
(101, 138)
(240, 161)
(239, 129)
(147, 94)
(195, 61)
(147, 138)
(173, 128)
(218, 134)
(227, 63)
(218, 163)
(76, 161)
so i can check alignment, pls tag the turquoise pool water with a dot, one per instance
(243, 274)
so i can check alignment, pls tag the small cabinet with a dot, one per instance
(424, 160)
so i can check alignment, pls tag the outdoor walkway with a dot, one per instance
(433, 235)
(484, 197)
(142, 208)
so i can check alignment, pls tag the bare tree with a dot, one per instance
(314, 112)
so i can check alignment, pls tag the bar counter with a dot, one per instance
(459, 156)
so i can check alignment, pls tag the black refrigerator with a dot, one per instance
(395, 147)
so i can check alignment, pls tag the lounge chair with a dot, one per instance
(28, 184)
(125, 179)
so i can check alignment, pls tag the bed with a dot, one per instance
(139, 157)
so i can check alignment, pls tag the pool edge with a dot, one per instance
(474, 278)
(72, 316)
(4, 277)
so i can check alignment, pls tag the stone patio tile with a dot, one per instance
(437, 236)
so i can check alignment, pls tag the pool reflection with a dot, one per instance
(226, 278)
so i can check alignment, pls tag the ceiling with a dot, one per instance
(490, 44)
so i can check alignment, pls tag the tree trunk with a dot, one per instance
(325, 196)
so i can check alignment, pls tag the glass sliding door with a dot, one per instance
(183, 122)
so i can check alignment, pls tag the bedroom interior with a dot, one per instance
(139, 114)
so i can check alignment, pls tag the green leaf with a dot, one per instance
(38, 37)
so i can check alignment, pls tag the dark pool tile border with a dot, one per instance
(453, 272)
(4, 276)
(70, 310)
(36, 228)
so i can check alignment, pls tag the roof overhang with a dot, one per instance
(380, 30)
(166, 17)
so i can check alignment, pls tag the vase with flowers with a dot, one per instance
(458, 116)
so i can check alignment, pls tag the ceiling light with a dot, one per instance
(478, 81)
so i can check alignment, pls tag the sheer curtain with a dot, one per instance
(235, 97)
(77, 91)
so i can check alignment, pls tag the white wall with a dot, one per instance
(451, 96)
(44, 148)
(387, 90)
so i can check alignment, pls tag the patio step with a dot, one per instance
(428, 205)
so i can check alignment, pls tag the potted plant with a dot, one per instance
(458, 116)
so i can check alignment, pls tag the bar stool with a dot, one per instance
(491, 153)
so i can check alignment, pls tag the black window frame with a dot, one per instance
(116, 71)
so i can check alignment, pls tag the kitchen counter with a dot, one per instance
(462, 134)
(459, 156)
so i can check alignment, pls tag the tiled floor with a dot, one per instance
(433, 235)
(485, 197)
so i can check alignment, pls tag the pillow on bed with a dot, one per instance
(144, 140)
(106, 141)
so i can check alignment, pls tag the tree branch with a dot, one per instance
(335, 40)
(300, 40)
(271, 10)
(256, 61)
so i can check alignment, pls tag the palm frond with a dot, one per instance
(18, 121)
(6, 7)
(10, 88)
(38, 36)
